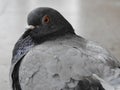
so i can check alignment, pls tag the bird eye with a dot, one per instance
(46, 19)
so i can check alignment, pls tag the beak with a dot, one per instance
(31, 27)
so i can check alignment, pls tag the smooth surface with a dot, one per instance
(97, 20)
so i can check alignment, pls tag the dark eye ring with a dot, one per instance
(46, 19)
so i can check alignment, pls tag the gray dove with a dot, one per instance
(50, 56)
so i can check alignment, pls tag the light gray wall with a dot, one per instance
(96, 20)
(101, 22)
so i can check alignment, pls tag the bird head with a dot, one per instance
(45, 23)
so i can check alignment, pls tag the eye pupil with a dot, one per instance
(46, 19)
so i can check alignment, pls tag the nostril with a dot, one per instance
(31, 27)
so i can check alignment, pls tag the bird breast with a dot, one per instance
(58, 63)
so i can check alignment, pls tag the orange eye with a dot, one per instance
(46, 19)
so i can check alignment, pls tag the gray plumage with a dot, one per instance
(61, 60)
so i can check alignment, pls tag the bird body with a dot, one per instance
(51, 56)
(61, 63)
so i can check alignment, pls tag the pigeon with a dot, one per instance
(51, 56)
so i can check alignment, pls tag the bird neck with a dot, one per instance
(55, 35)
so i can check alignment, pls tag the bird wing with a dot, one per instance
(60, 64)
(22, 46)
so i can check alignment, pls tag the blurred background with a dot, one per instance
(97, 20)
